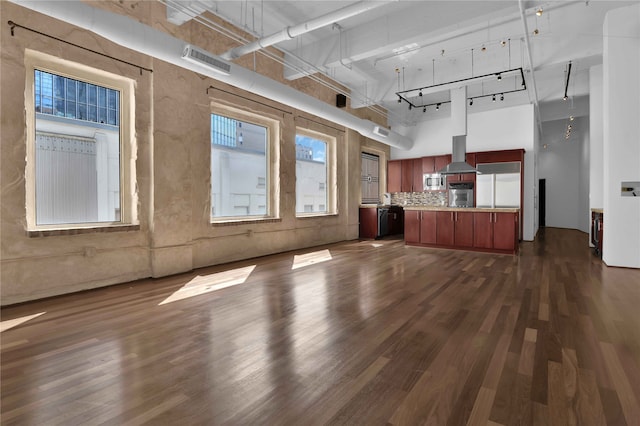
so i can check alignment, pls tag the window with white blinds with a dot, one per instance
(370, 179)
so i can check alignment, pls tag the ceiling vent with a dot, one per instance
(381, 131)
(202, 57)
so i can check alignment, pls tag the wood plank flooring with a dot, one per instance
(368, 332)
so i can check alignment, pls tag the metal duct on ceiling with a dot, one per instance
(134, 35)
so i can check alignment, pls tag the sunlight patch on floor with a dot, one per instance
(302, 260)
(6, 325)
(208, 283)
(376, 245)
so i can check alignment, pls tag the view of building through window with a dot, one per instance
(311, 175)
(239, 170)
(77, 151)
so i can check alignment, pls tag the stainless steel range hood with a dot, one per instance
(458, 163)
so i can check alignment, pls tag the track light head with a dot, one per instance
(494, 98)
(399, 99)
(470, 101)
(565, 98)
(409, 107)
(502, 96)
(420, 94)
(499, 76)
(424, 109)
(437, 107)
(539, 12)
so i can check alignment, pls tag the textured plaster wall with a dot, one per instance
(173, 177)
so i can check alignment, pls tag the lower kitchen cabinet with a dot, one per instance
(467, 230)
(444, 231)
(420, 227)
(412, 226)
(368, 222)
(463, 229)
(496, 230)
(505, 231)
(428, 227)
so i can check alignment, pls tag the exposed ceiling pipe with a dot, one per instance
(530, 57)
(297, 30)
(136, 36)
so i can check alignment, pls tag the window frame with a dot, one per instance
(272, 159)
(35, 60)
(331, 188)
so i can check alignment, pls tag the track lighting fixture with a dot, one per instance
(503, 43)
(411, 96)
(571, 118)
(536, 32)
(539, 12)
(424, 109)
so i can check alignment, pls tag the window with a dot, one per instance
(242, 177)
(314, 152)
(79, 138)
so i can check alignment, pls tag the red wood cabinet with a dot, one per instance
(444, 231)
(428, 165)
(505, 231)
(368, 222)
(428, 227)
(469, 230)
(463, 229)
(495, 230)
(412, 226)
(418, 183)
(441, 161)
(483, 230)
(407, 176)
(420, 227)
(394, 176)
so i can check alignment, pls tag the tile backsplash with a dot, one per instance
(427, 198)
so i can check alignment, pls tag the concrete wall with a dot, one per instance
(507, 128)
(172, 127)
(621, 106)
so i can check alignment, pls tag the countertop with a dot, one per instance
(465, 209)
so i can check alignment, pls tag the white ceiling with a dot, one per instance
(404, 45)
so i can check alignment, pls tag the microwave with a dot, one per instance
(434, 182)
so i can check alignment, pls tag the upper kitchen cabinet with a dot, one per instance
(407, 176)
(441, 161)
(394, 176)
(428, 165)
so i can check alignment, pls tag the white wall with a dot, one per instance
(565, 166)
(507, 128)
(595, 138)
(621, 101)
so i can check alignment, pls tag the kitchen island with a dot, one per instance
(493, 230)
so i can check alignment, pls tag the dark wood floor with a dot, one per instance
(378, 334)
